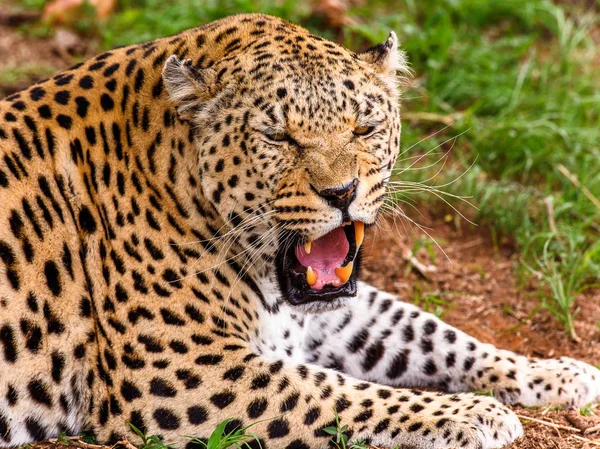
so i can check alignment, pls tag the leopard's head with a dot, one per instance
(296, 137)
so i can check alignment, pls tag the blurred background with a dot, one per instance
(501, 120)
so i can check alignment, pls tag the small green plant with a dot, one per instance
(88, 437)
(489, 393)
(427, 243)
(221, 439)
(149, 442)
(555, 408)
(339, 437)
(433, 302)
(63, 439)
(358, 444)
(564, 267)
(586, 410)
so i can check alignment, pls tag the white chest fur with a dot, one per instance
(281, 332)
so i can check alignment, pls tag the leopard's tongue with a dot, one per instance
(325, 259)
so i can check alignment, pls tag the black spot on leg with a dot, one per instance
(139, 80)
(222, 400)
(311, 416)
(162, 388)
(232, 425)
(197, 414)
(382, 426)
(408, 334)
(62, 97)
(429, 327)
(129, 391)
(87, 82)
(54, 326)
(297, 444)
(37, 93)
(7, 256)
(278, 428)
(58, 365)
(107, 102)
(261, 381)
(414, 427)
(82, 106)
(86, 220)
(7, 339)
(64, 121)
(450, 359)
(289, 403)
(257, 408)
(5, 432)
(32, 334)
(374, 354)
(234, 373)
(358, 341)
(468, 363)
(39, 392)
(45, 111)
(53, 278)
(398, 365)
(450, 336)
(11, 395)
(166, 419)
(36, 430)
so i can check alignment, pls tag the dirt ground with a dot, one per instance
(474, 285)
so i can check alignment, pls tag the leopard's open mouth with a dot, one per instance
(323, 269)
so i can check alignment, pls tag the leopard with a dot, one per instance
(180, 247)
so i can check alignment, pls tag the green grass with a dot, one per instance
(220, 438)
(148, 441)
(23, 75)
(340, 438)
(587, 410)
(438, 303)
(140, 20)
(518, 82)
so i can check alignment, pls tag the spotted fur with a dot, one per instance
(142, 204)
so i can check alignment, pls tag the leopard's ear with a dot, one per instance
(388, 60)
(188, 86)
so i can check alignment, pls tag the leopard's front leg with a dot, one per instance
(289, 405)
(381, 339)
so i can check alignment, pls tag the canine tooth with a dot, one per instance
(343, 273)
(359, 232)
(307, 247)
(311, 276)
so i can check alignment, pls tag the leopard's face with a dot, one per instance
(295, 153)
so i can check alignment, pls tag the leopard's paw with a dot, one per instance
(562, 381)
(461, 421)
(482, 422)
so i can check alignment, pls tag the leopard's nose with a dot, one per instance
(340, 197)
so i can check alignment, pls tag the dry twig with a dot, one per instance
(421, 268)
(549, 424)
(571, 177)
(432, 117)
(550, 210)
(79, 443)
(592, 442)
